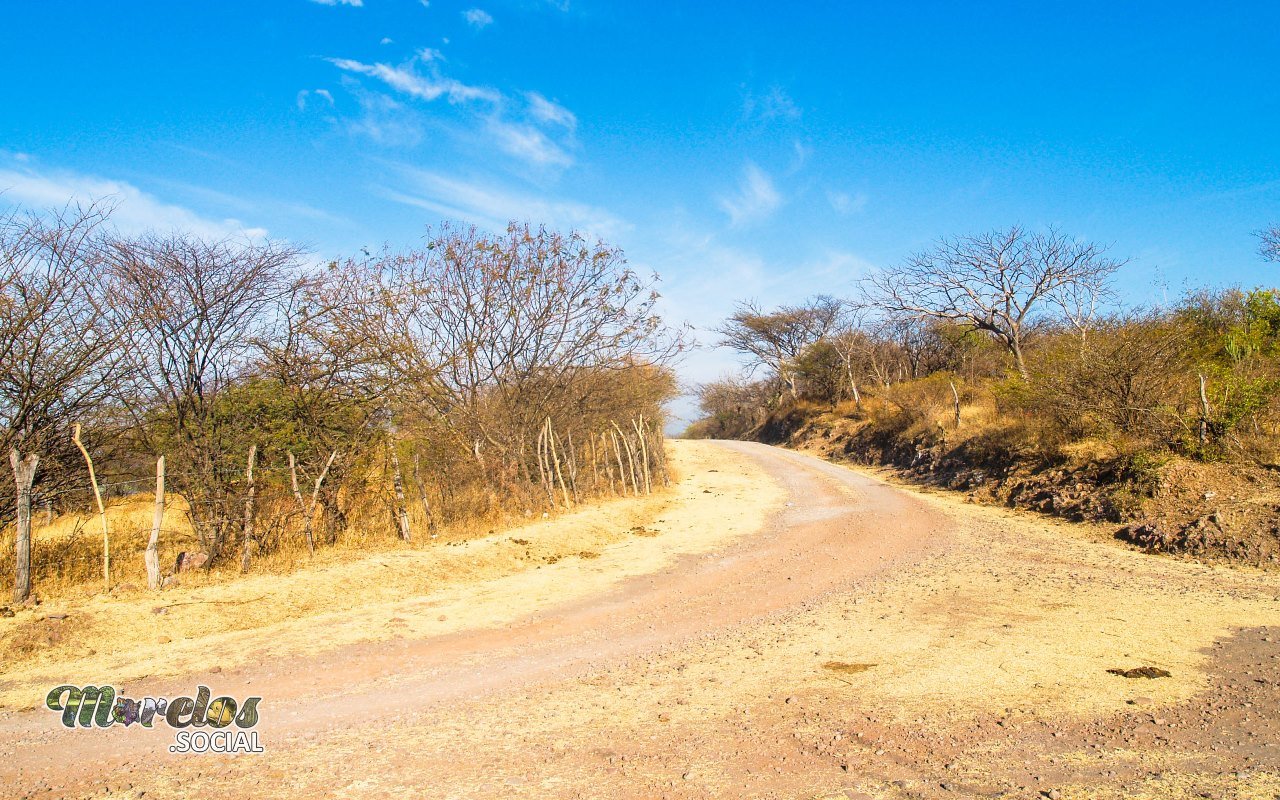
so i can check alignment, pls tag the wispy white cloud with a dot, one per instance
(135, 211)
(529, 127)
(802, 154)
(406, 79)
(528, 144)
(323, 94)
(774, 104)
(755, 199)
(846, 203)
(549, 112)
(352, 3)
(478, 18)
(493, 206)
(386, 40)
(383, 120)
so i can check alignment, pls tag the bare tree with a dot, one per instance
(199, 307)
(59, 340)
(494, 334)
(1269, 246)
(59, 353)
(774, 340)
(994, 282)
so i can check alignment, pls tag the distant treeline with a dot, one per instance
(472, 372)
(1027, 324)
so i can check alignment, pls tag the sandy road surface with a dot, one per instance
(793, 629)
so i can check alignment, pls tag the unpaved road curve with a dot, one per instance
(862, 641)
(835, 526)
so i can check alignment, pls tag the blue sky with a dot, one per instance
(741, 150)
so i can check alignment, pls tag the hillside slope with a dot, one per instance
(1157, 501)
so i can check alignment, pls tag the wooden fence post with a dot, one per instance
(102, 509)
(1204, 412)
(622, 470)
(631, 459)
(397, 483)
(644, 453)
(573, 468)
(24, 474)
(551, 443)
(955, 397)
(152, 557)
(248, 511)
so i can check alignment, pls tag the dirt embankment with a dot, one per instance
(1159, 502)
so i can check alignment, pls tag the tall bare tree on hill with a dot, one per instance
(996, 282)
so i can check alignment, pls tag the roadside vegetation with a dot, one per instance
(1004, 365)
(172, 404)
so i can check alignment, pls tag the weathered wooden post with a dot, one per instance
(152, 557)
(555, 457)
(1204, 412)
(644, 453)
(397, 484)
(247, 555)
(24, 474)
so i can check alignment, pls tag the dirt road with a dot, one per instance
(775, 627)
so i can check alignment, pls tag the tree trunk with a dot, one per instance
(102, 510)
(1015, 347)
(335, 518)
(247, 554)
(955, 397)
(302, 507)
(544, 478)
(397, 482)
(24, 474)
(308, 512)
(422, 497)
(152, 557)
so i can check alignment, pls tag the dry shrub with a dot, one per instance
(924, 402)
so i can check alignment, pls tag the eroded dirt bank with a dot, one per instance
(795, 629)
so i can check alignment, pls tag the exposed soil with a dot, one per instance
(846, 638)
